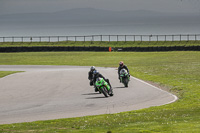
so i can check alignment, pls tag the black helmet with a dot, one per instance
(121, 63)
(92, 68)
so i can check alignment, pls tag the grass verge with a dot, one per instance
(5, 73)
(178, 71)
(103, 43)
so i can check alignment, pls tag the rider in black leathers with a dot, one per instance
(121, 66)
(90, 75)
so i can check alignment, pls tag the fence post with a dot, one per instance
(92, 38)
(150, 37)
(109, 38)
(165, 38)
(195, 37)
(180, 37)
(117, 38)
(125, 38)
(157, 38)
(12, 39)
(141, 38)
(22, 39)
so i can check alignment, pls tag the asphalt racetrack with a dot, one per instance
(53, 92)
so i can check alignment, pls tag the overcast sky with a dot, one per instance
(27, 6)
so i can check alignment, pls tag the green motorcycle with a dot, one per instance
(103, 87)
(124, 77)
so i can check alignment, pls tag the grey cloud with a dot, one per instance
(24, 6)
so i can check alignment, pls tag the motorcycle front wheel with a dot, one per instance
(104, 91)
(126, 82)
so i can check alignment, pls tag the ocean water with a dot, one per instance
(62, 29)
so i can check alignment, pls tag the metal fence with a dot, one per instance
(101, 38)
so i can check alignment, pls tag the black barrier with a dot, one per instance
(98, 49)
(57, 48)
(162, 48)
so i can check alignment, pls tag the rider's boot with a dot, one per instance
(95, 89)
(119, 79)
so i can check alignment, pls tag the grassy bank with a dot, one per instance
(5, 73)
(178, 71)
(104, 44)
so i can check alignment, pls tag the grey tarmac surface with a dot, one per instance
(53, 92)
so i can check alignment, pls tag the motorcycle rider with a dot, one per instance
(90, 75)
(121, 66)
(98, 75)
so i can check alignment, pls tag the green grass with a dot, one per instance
(104, 43)
(5, 73)
(178, 71)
